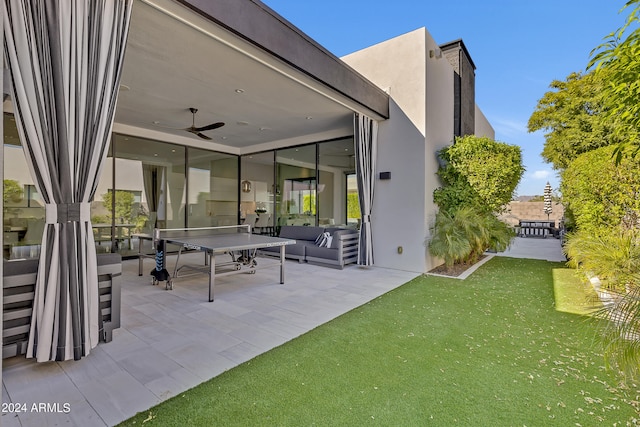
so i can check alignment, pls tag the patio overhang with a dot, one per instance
(238, 62)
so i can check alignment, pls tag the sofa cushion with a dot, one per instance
(324, 253)
(300, 232)
(19, 266)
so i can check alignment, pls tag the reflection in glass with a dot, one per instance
(149, 192)
(336, 162)
(213, 189)
(353, 204)
(295, 185)
(257, 206)
(23, 209)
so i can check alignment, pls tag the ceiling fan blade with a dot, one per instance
(195, 131)
(210, 127)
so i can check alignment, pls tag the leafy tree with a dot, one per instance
(618, 58)
(309, 204)
(479, 172)
(12, 191)
(353, 206)
(573, 116)
(601, 194)
(124, 204)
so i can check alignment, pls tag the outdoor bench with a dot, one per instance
(19, 278)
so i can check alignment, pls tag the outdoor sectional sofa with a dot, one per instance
(342, 251)
(19, 278)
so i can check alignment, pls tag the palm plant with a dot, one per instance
(463, 235)
(614, 257)
(611, 255)
(449, 240)
(620, 332)
(500, 236)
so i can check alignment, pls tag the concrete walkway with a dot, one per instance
(171, 341)
(549, 249)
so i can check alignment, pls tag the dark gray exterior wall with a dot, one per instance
(258, 24)
(464, 87)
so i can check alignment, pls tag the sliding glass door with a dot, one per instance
(296, 186)
(213, 189)
(336, 161)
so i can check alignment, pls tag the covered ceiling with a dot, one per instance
(176, 59)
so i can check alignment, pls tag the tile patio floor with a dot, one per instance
(171, 341)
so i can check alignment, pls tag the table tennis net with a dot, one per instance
(201, 231)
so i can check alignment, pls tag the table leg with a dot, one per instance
(140, 257)
(282, 264)
(212, 274)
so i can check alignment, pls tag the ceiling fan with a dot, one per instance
(198, 130)
(193, 129)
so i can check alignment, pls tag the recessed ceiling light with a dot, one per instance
(173, 151)
(242, 123)
(263, 129)
(224, 137)
(155, 154)
(239, 90)
(155, 122)
(309, 118)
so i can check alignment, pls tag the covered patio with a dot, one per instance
(256, 79)
(170, 341)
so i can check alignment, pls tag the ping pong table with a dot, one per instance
(236, 241)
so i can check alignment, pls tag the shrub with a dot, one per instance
(479, 177)
(478, 172)
(462, 236)
(601, 194)
(611, 254)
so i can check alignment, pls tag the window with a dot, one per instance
(23, 209)
(353, 203)
(213, 189)
(296, 179)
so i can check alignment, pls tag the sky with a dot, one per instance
(519, 47)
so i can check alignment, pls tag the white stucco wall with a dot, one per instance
(421, 122)
(483, 127)
(398, 67)
(398, 207)
(440, 125)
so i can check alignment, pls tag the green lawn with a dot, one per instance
(487, 351)
(572, 294)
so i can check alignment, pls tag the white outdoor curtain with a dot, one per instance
(154, 178)
(65, 60)
(366, 142)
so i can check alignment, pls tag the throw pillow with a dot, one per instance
(327, 243)
(323, 240)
